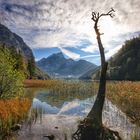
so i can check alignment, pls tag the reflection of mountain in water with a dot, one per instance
(59, 99)
(112, 116)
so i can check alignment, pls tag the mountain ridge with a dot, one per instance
(57, 65)
(124, 65)
(21, 51)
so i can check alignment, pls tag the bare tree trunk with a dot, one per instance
(96, 112)
(91, 127)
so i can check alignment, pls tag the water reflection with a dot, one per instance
(62, 112)
(112, 116)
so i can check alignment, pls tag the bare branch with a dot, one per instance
(109, 13)
(96, 16)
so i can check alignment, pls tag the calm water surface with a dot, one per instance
(61, 114)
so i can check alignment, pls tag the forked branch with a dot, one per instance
(96, 16)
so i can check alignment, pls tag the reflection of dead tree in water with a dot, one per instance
(91, 128)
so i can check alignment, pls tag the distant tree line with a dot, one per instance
(125, 64)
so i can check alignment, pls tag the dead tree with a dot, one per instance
(96, 111)
(91, 128)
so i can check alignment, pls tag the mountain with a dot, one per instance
(16, 42)
(124, 65)
(88, 74)
(58, 65)
(20, 51)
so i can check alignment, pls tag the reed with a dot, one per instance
(13, 111)
(124, 94)
(63, 86)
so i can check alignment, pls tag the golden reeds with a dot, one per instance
(12, 111)
(125, 94)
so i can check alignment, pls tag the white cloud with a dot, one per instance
(64, 23)
(89, 56)
(90, 49)
(70, 54)
(112, 51)
(55, 39)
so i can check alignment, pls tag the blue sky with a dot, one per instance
(51, 26)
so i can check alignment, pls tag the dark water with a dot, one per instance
(65, 111)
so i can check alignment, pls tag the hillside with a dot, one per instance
(57, 65)
(20, 51)
(88, 74)
(124, 65)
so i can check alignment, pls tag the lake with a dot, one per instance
(60, 113)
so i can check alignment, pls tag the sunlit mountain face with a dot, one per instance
(52, 26)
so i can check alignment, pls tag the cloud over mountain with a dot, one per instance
(67, 23)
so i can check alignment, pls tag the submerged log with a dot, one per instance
(50, 137)
(16, 127)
